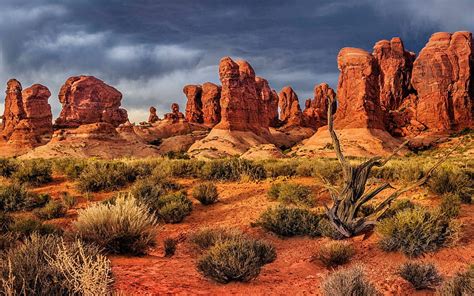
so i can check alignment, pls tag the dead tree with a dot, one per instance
(345, 213)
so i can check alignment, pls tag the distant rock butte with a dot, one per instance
(86, 100)
(316, 109)
(203, 103)
(290, 111)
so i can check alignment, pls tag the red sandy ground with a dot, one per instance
(293, 272)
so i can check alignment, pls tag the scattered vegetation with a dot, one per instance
(105, 175)
(7, 167)
(291, 193)
(206, 193)
(348, 282)
(416, 231)
(454, 180)
(232, 169)
(70, 167)
(123, 227)
(279, 168)
(335, 253)
(290, 221)
(34, 172)
(53, 209)
(459, 285)
(450, 205)
(420, 275)
(170, 246)
(15, 197)
(174, 207)
(27, 226)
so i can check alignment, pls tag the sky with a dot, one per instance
(150, 49)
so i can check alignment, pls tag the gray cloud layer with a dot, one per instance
(150, 49)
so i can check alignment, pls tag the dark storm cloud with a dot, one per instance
(150, 49)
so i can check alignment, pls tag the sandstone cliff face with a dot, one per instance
(203, 103)
(395, 66)
(290, 111)
(442, 77)
(86, 100)
(194, 104)
(315, 112)
(14, 111)
(358, 91)
(269, 100)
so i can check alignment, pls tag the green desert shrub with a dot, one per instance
(290, 221)
(124, 227)
(349, 281)
(174, 207)
(416, 231)
(206, 238)
(398, 206)
(327, 169)
(232, 169)
(53, 209)
(69, 200)
(233, 256)
(7, 167)
(104, 175)
(34, 172)
(5, 221)
(420, 275)
(170, 246)
(70, 167)
(407, 170)
(47, 265)
(453, 180)
(27, 226)
(291, 193)
(327, 229)
(15, 197)
(179, 168)
(462, 284)
(450, 205)
(335, 253)
(280, 168)
(206, 193)
(150, 190)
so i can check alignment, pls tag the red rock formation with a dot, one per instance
(290, 111)
(38, 112)
(175, 115)
(395, 72)
(211, 108)
(14, 111)
(153, 117)
(315, 112)
(358, 91)
(86, 100)
(241, 105)
(269, 99)
(442, 76)
(194, 104)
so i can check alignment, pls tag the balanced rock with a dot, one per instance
(395, 66)
(86, 100)
(442, 77)
(194, 104)
(358, 91)
(290, 111)
(153, 117)
(175, 115)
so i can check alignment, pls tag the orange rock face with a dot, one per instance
(86, 100)
(290, 111)
(315, 112)
(194, 104)
(442, 77)
(14, 111)
(395, 72)
(269, 99)
(153, 117)
(211, 106)
(242, 107)
(358, 91)
(175, 115)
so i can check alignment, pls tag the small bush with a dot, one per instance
(348, 282)
(123, 227)
(291, 193)
(7, 167)
(232, 170)
(398, 206)
(70, 167)
(27, 226)
(206, 238)
(179, 168)
(289, 221)
(149, 191)
(53, 209)
(5, 221)
(460, 285)
(328, 170)
(335, 253)
(69, 200)
(235, 258)
(417, 231)
(278, 168)
(450, 205)
(34, 172)
(15, 197)
(327, 229)
(448, 179)
(206, 193)
(170, 247)
(101, 175)
(49, 266)
(420, 275)
(174, 207)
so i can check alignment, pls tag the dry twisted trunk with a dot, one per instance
(346, 204)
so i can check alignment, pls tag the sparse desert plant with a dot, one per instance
(206, 193)
(69, 200)
(170, 246)
(416, 231)
(206, 238)
(174, 207)
(349, 281)
(451, 179)
(34, 172)
(126, 226)
(53, 209)
(27, 226)
(235, 258)
(291, 193)
(5, 221)
(279, 168)
(335, 253)
(420, 275)
(450, 205)
(328, 170)
(7, 167)
(16, 197)
(232, 169)
(462, 284)
(70, 167)
(398, 206)
(104, 175)
(179, 168)
(327, 229)
(290, 221)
